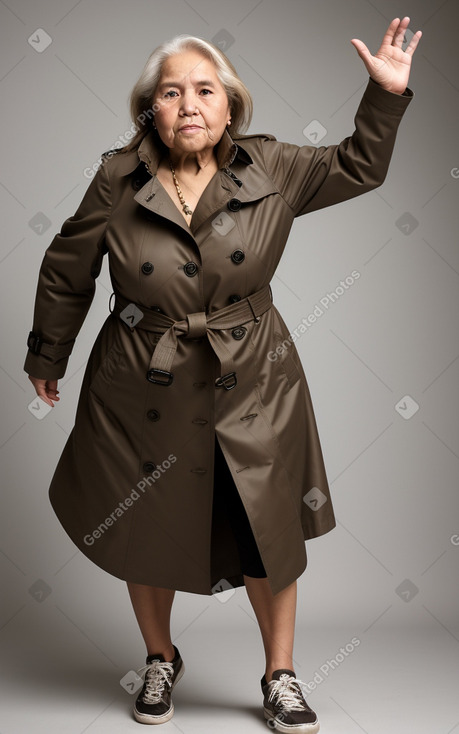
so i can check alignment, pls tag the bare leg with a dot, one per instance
(276, 619)
(152, 607)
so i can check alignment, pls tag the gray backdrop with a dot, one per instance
(381, 360)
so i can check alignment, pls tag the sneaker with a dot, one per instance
(284, 704)
(154, 702)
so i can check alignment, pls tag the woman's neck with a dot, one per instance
(193, 162)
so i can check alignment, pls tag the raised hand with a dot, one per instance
(390, 66)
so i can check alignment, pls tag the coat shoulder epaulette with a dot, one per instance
(109, 153)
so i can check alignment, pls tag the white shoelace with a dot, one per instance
(157, 675)
(287, 693)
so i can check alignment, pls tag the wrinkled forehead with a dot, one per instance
(188, 67)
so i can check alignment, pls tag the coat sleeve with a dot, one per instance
(311, 178)
(66, 282)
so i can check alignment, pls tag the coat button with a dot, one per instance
(149, 466)
(237, 257)
(153, 415)
(234, 205)
(234, 298)
(157, 308)
(137, 184)
(190, 269)
(147, 268)
(239, 332)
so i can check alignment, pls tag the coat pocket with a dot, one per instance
(103, 378)
(284, 358)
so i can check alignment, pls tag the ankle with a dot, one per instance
(286, 665)
(167, 652)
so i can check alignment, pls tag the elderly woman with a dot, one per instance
(195, 462)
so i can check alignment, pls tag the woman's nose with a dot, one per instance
(188, 106)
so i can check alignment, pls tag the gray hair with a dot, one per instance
(142, 95)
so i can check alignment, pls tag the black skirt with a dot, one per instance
(251, 563)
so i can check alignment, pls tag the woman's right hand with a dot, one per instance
(45, 389)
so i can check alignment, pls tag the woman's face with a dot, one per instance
(193, 105)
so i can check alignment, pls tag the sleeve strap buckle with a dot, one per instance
(34, 343)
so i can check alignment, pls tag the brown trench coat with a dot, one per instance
(134, 485)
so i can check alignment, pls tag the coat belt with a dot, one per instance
(194, 326)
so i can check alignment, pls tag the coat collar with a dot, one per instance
(249, 184)
(149, 152)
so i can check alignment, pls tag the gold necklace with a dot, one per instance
(185, 206)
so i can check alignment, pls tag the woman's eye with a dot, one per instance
(207, 91)
(171, 93)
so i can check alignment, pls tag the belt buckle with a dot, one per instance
(155, 370)
(223, 381)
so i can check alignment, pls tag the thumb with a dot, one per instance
(363, 52)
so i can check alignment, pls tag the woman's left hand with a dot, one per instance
(390, 67)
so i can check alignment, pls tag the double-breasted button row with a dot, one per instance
(190, 268)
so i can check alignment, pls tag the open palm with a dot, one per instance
(391, 65)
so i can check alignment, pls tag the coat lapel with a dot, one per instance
(154, 197)
(250, 182)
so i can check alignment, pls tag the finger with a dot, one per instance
(399, 36)
(52, 387)
(51, 390)
(42, 394)
(390, 33)
(411, 48)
